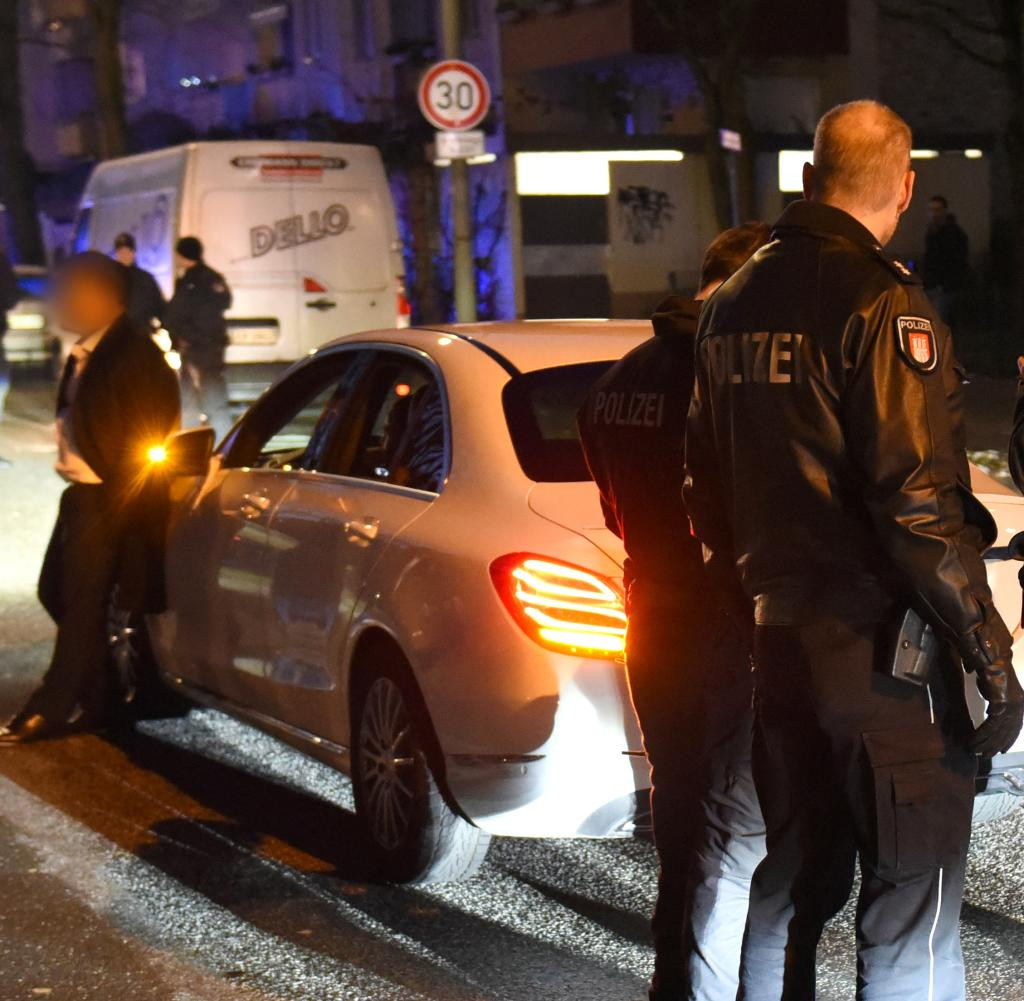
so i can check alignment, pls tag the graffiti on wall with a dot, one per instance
(644, 213)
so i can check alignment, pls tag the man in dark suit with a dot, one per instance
(117, 401)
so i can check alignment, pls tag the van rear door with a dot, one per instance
(263, 322)
(343, 263)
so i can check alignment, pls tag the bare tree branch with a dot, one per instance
(959, 17)
(950, 36)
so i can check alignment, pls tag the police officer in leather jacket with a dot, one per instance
(195, 320)
(825, 461)
(692, 697)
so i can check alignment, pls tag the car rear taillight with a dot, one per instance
(402, 306)
(561, 606)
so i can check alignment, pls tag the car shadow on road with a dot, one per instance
(297, 868)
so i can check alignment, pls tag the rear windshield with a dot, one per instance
(541, 409)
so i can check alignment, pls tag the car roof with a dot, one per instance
(528, 345)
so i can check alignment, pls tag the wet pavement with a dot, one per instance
(195, 859)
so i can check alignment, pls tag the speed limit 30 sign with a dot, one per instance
(454, 95)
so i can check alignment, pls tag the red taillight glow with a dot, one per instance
(561, 606)
(402, 306)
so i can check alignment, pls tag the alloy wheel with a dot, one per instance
(387, 763)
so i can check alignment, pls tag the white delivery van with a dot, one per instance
(304, 232)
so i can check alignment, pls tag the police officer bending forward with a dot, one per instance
(825, 453)
(692, 700)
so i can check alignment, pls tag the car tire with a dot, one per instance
(415, 834)
(141, 694)
(992, 806)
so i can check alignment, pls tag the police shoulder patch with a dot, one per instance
(916, 341)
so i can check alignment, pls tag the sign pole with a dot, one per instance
(464, 270)
(732, 143)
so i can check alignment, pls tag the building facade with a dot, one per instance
(604, 180)
(345, 70)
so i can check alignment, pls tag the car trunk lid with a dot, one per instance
(576, 507)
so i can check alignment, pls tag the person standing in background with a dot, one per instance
(195, 320)
(146, 304)
(945, 260)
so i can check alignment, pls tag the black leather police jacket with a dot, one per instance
(631, 427)
(825, 441)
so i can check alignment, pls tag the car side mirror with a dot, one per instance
(188, 452)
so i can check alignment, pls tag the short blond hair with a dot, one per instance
(861, 154)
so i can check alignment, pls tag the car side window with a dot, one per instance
(292, 426)
(404, 437)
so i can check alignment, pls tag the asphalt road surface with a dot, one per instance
(197, 860)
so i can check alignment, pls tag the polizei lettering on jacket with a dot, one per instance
(297, 229)
(635, 410)
(762, 356)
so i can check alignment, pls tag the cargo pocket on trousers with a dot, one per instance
(906, 777)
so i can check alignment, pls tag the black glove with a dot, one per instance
(987, 652)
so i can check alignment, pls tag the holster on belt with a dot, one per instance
(914, 649)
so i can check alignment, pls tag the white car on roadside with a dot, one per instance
(397, 562)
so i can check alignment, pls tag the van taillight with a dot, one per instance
(312, 285)
(561, 606)
(403, 306)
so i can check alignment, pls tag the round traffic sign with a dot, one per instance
(454, 95)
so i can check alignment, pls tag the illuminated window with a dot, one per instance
(791, 168)
(582, 172)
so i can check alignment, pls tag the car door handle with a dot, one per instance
(253, 505)
(363, 528)
(321, 304)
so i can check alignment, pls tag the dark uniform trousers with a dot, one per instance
(852, 763)
(691, 686)
(75, 587)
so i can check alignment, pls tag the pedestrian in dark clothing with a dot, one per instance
(195, 321)
(825, 459)
(9, 295)
(688, 658)
(945, 260)
(145, 304)
(117, 399)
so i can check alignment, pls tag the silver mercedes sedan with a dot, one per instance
(397, 562)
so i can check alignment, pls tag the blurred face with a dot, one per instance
(84, 306)
(125, 255)
(182, 263)
(936, 213)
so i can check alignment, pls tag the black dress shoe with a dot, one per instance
(24, 731)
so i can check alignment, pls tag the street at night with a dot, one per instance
(196, 859)
(512, 500)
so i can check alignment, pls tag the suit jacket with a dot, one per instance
(127, 401)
